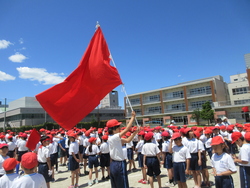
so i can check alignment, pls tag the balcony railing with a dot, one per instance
(154, 112)
(172, 98)
(199, 94)
(146, 101)
(174, 110)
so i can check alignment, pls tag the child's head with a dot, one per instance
(237, 138)
(239, 127)
(29, 162)
(113, 126)
(45, 140)
(208, 132)
(216, 130)
(148, 137)
(4, 149)
(105, 138)
(190, 134)
(92, 140)
(9, 165)
(177, 139)
(72, 137)
(165, 135)
(218, 145)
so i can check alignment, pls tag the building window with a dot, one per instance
(176, 94)
(154, 109)
(200, 90)
(198, 104)
(178, 119)
(154, 98)
(238, 91)
(246, 101)
(135, 101)
(178, 106)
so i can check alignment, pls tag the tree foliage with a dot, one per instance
(207, 112)
(196, 115)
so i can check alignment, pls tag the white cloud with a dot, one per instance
(179, 75)
(17, 58)
(4, 44)
(5, 77)
(40, 74)
(21, 40)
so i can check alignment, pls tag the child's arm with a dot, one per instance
(129, 125)
(144, 161)
(187, 166)
(170, 150)
(164, 157)
(226, 173)
(199, 157)
(214, 172)
(129, 139)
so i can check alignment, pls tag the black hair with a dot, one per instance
(242, 138)
(187, 135)
(10, 139)
(111, 129)
(166, 138)
(10, 171)
(43, 138)
(247, 141)
(147, 141)
(90, 148)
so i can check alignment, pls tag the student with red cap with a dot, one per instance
(244, 157)
(105, 157)
(118, 171)
(222, 164)
(21, 146)
(93, 152)
(7, 179)
(3, 157)
(151, 159)
(30, 179)
(181, 160)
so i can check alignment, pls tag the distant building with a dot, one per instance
(110, 100)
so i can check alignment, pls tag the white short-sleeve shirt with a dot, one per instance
(165, 146)
(104, 148)
(2, 159)
(115, 147)
(7, 179)
(73, 148)
(139, 145)
(222, 163)
(180, 154)
(150, 149)
(244, 154)
(43, 154)
(34, 180)
(95, 150)
(22, 145)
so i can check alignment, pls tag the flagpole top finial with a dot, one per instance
(97, 25)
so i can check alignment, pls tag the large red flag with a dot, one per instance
(73, 99)
(34, 138)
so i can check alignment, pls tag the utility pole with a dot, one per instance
(4, 123)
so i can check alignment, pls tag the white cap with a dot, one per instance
(224, 118)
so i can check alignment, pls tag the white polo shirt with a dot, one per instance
(104, 148)
(43, 154)
(139, 145)
(34, 180)
(165, 146)
(208, 143)
(244, 154)
(73, 148)
(222, 163)
(7, 179)
(193, 145)
(150, 149)
(115, 147)
(11, 146)
(2, 159)
(180, 154)
(22, 145)
(95, 150)
(129, 145)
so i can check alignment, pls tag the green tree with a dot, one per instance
(196, 115)
(207, 113)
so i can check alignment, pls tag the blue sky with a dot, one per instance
(154, 43)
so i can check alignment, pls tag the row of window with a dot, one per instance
(200, 90)
(198, 104)
(176, 94)
(246, 101)
(242, 90)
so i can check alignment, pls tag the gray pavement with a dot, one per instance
(63, 179)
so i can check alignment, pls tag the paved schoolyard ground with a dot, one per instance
(63, 180)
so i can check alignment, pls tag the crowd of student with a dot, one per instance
(183, 151)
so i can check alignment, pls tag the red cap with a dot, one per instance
(87, 133)
(215, 127)
(247, 136)
(105, 137)
(113, 123)
(52, 132)
(194, 128)
(186, 130)
(9, 164)
(230, 128)
(3, 145)
(239, 125)
(235, 136)
(208, 131)
(197, 134)
(9, 137)
(42, 130)
(217, 140)
(128, 134)
(24, 135)
(141, 133)
(223, 127)
(74, 135)
(157, 128)
(92, 139)
(176, 130)
(165, 133)
(176, 135)
(184, 126)
(2, 136)
(29, 160)
(149, 136)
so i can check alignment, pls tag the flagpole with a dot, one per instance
(124, 90)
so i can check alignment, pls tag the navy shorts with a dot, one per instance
(93, 161)
(118, 174)
(67, 152)
(105, 160)
(130, 154)
(179, 171)
(44, 170)
(194, 162)
(73, 164)
(81, 149)
(62, 153)
(224, 182)
(140, 160)
(245, 176)
(203, 161)
(153, 166)
(209, 151)
(168, 161)
(84, 156)
(53, 159)
(10, 154)
(20, 154)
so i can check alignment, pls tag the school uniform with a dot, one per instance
(105, 156)
(150, 150)
(203, 157)
(194, 147)
(85, 145)
(12, 147)
(180, 155)
(2, 159)
(244, 168)
(222, 163)
(22, 149)
(135, 140)
(158, 138)
(73, 148)
(7, 180)
(168, 161)
(34, 180)
(80, 142)
(118, 166)
(67, 146)
(53, 153)
(130, 152)
(43, 168)
(138, 147)
(208, 147)
(93, 158)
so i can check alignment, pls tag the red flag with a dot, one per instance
(73, 99)
(34, 138)
(245, 109)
